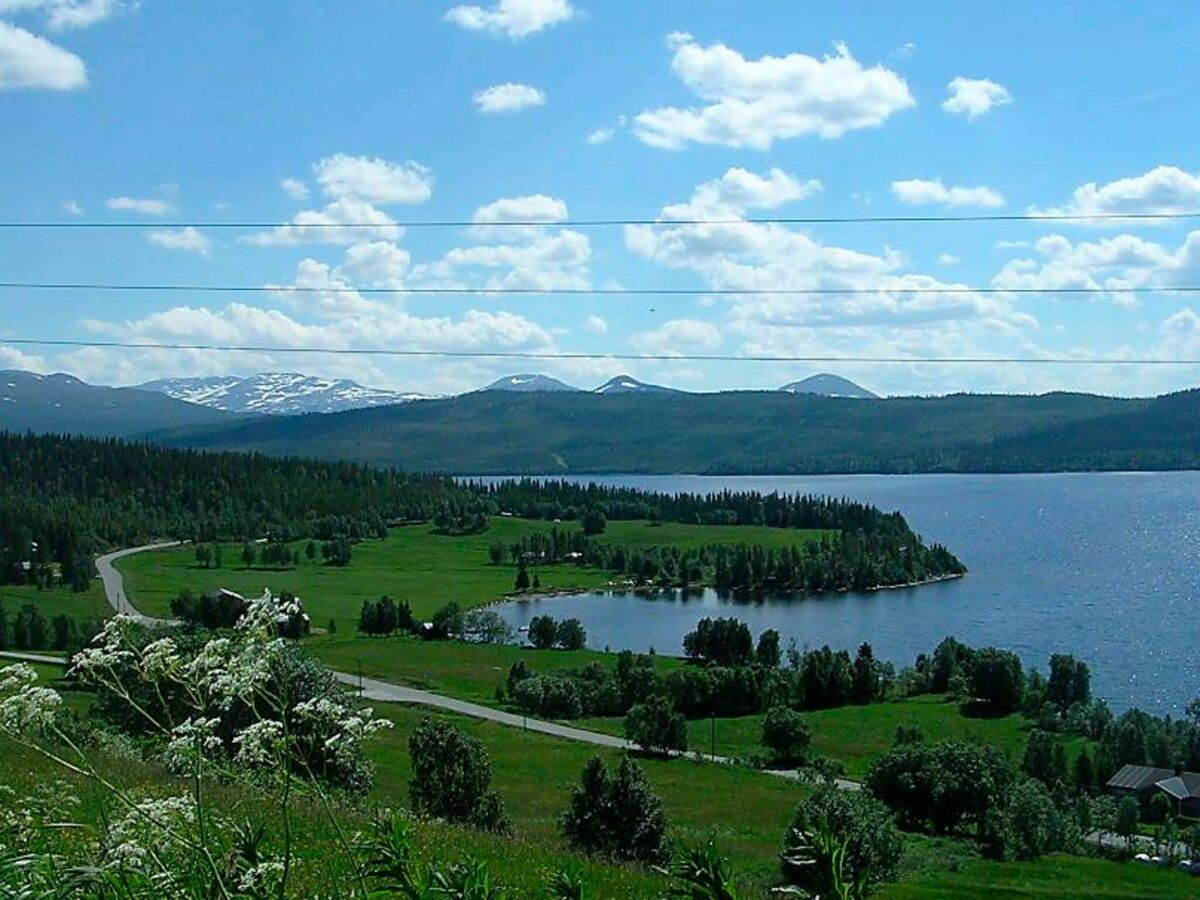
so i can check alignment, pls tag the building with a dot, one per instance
(1143, 782)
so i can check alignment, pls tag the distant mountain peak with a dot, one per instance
(827, 385)
(276, 393)
(530, 383)
(627, 384)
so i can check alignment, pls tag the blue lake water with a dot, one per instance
(1106, 566)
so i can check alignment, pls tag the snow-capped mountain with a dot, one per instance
(276, 393)
(827, 385)
(529, 383)
(627, 384)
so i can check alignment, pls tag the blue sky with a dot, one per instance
(391, 110)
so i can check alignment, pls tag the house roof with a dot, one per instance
(1136, 778)
(1181, 786)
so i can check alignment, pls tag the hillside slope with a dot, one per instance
(64, 404)
(737, 432)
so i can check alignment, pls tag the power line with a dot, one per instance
(603, 223)
(647, 357)
(584, 292)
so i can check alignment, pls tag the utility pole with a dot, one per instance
(360, 682)
(713, 731)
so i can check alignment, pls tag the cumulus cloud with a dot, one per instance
(1163, 189)
(919, 192)
(12, 358)
(902, 312)
(974, 97)
(678, 336)
(294, 188)
(65, 15)
(70, 206)
(754, 102)
(596, 325)
(29, 62)
(188, 238)
(532, 256)
(948, 259)
(355, 187)
(1104, 266)
(379, 264)
(508, 98)
(148, 206)
(515, 19)
(373, 180)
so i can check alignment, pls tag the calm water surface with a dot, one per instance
(1106, 566)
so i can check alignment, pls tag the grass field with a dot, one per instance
(413, 564)
(83, 606)
(469, 671)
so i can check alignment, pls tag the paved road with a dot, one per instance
(114, 584)
(387, 692)
(34, 658)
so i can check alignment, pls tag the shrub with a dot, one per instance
(616, 815)
(1029, 825)
(543, 632)
(857, 822)
(786, 735)
(656, 727)
(451, 777)
(996, 679)
(593, 522)
(571, 635)
(942, 786)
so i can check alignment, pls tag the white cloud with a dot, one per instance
(678, 336)
(374, 180)
(354, 186)
(531, 208)
(294, 188)
(974, 97)
(1164, 189)
(516, 19)
(188, 238)
(508, 98)
(918, 192)
(12, 358)
(65, 15)
(901, 312)
(1104, 266)
(345, 221)
(740, 190)
(596, 325)
(948, 259)
(601, 135)
(754, 102)
(378, 264)
(29, 62)
(70, 206)
(149, 206)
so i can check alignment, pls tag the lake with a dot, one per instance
(1105, 566)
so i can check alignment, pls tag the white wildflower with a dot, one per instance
(151, 824)
(159, 659)
(194, 738)
(17, 676)
(32, 710)
(259, 744)
(261, 880)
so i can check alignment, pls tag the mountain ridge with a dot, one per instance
(276, 393)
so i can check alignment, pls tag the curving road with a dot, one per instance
(387, 692)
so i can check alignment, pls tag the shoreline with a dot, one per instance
(656, 589)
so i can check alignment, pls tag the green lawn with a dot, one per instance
(83, 606)
(1053, 878)
(469, 671)
(856, 735)
(413, 564)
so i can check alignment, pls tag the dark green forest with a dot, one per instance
(65, 499)
(736, 433)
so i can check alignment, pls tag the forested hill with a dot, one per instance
(64, 499)
(737, 432)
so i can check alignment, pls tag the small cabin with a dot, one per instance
(1144, 782)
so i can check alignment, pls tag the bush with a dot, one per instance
(618, 816)
(996, 679)
(451, 777)
(560, 699)
(446, 621)
(786, 735)
(571, 635)
(942, 786)
(543, 632)
(857, 821)
(1029, 825)
(656, 727)
(593, 522)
